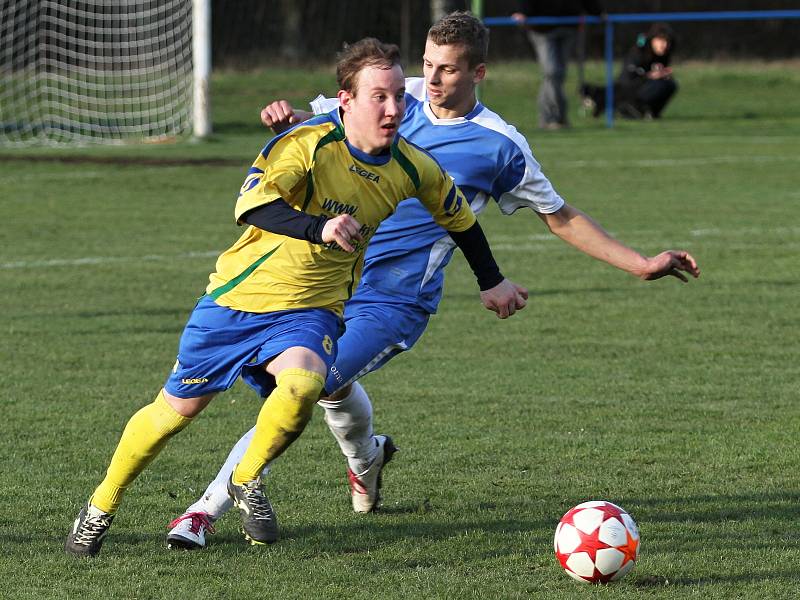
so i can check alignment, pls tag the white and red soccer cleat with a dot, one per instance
(189, 531)
(365, 487)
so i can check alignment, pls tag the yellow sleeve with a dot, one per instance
(278, 172)
(441, 196)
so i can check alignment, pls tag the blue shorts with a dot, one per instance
(219, 344)
(376, 330)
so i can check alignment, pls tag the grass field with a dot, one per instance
(678, 402)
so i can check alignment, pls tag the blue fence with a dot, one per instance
(609, 20)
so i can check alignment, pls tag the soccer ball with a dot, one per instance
(597, 542)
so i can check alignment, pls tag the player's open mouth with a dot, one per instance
(389, 127)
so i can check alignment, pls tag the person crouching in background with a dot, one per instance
(645, 85)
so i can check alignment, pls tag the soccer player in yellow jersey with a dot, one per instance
(403, 274)
(272, 310)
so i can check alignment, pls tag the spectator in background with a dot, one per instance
(441, 8)
(645, 85)
(553, 44)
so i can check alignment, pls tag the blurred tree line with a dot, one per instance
(256, 33)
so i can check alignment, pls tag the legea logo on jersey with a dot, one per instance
(194, 380)
(327, 345)
(354, 168)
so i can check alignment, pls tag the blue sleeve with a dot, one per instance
(510, 176)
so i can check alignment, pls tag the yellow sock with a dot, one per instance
(281, 420)
(145, 435)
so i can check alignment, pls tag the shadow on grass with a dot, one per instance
(725, 117)
(658, 581)
(410, 524)
(713, 508)
(721, 524)
(365, 537)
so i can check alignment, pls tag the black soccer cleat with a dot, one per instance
(88, 532)
(259, 523)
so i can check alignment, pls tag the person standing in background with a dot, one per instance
(553, 44)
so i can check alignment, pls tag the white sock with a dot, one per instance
(215, 500)
(350, 422)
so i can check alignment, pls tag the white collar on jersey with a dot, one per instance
(426, 108)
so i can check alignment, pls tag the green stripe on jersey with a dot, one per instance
(407, 165)
(309, 190)
(334, 135)
(352, 280)
(227, 287)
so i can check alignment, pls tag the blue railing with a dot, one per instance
(609, 20)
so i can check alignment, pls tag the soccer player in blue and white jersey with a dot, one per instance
(404, 267)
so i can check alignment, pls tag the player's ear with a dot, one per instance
(480, 73)
(345, 100)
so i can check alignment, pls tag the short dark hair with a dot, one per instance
(462, 28)
(369, 52)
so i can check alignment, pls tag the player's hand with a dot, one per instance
(279, 116)
(344, 230)
(671, 262)
(505, 298)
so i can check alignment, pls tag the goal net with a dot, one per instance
(94, 71)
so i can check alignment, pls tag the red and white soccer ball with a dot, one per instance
(597, 542)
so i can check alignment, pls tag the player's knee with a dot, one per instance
(164, 418)
(187, 407)
(300, 386)
(338, 395)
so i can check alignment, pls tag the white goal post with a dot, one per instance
(103, 71)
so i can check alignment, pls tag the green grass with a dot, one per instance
(678, 402)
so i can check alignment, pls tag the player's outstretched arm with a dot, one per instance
(579, 230)
(280, 115)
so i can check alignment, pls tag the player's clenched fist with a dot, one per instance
(344, 230)
(279, 115)
(505, 298)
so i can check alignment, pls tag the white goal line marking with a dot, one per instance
(507, 242)
(498, 242)
(677, 162)
(104, 260)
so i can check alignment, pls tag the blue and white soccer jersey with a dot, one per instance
(405, 260)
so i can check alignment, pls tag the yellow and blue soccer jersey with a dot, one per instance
(315, 170)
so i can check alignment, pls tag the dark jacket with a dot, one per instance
(640, 59)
